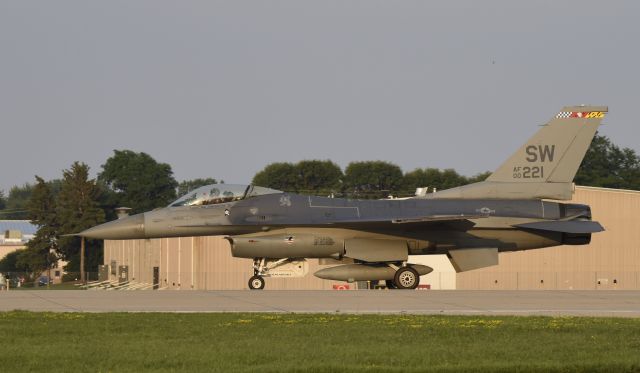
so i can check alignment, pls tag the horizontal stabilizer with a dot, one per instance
(468, 259)
(572, 226)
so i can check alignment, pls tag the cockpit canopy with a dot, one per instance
(221, 193)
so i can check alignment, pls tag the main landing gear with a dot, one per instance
(405, 278)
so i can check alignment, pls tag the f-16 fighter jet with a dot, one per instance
(372, 239)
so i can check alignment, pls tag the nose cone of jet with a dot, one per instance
(131, 227)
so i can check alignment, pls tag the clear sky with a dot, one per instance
(220, 89)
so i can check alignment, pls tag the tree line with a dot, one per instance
(76, 202)
(605, 165)
(366, 179)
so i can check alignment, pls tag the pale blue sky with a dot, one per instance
(221, 89)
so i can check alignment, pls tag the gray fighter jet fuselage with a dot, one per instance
(471, 224)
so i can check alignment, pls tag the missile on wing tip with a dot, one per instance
(364, 272)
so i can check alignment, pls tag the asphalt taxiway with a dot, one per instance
(454, 302)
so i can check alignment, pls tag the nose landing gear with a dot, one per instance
(277, 267)
(256, 282)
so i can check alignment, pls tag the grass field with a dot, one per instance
(314, 343)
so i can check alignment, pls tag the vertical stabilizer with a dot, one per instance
(555, 152)
(544, 167)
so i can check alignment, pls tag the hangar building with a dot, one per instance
(611, 261)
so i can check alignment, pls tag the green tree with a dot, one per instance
(40, 252)
(10, 262)
(308, 176)
(16, 206)
(372, 179)
(78, 209)
(188, 185)
(137, 181)
(432, 178)
(318, 177)
(439, 179)
(280, 176)
(607, 165)
(55, 185)
(482, 176)
(3, 201)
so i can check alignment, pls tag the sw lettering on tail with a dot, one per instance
(544, 166)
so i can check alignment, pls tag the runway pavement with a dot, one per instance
(454, 302)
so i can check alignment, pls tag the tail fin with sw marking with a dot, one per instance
(544, 167)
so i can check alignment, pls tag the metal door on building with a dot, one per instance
(156, 278)
(123, 274)
(103, 273)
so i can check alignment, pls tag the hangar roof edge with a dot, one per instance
(614, 190)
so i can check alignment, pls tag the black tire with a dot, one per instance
(406, 278)
(256, 283)
(390, 284)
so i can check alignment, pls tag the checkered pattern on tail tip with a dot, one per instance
(564, 114)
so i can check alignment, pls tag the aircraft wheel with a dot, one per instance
(256, 283)
(390, 284)
(406, 278)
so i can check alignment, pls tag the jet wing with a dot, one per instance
(465, 220)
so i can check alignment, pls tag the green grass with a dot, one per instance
(137, 342)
